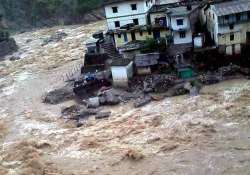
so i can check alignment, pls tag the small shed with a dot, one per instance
(145, 62)
(122, 71)
(185, 72)
(92, 45)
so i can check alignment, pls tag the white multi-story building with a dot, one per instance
(162, 2)
(228, 24)
(122, 12)
(181, 21)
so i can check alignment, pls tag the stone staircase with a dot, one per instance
(109, 48)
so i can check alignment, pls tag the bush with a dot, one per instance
(152, 45)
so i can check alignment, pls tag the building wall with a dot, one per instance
(125, 14)
(188, 39)
(121, 74)
(174, 26)
(153, 16)
(166, 1)
(212, 24)
(120, 41)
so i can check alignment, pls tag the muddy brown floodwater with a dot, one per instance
(207, 134)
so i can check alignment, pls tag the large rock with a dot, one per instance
(59, 95)
(7, 47)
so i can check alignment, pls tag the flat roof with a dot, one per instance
(108, 2)
(181, 10)
(121, 62)
(231, 7)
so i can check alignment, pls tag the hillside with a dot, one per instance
(23, 14)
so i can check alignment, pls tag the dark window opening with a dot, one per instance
(227, 17)
(183, 34)
(179, 22)
(149, 32)
(231, 26)
(232, 37)
(133, 36)
(117, 23)
(146, 3)
(248, 15)
(136, 21)
(133, 7)
(115, 9)
(119, 35)
(141, 33)
(238, 17)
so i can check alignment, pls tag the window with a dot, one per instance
(146, 3)
(136, 21)
(133, 7)
(115, 9)
(179, 22)
(183, 34)
(119, 35)
(238, 17)
(226, 17)
(213, 16)
(149, 32)
(141, 33)
(231, 26)
(231, 37)
(117, 23)
(248, 15)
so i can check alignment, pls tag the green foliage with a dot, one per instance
(152, 45)
(4, 35)
(45, 12)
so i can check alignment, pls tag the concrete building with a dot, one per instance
(122, 71)
(228, 24)
(181, 21)
(122, 12)
(138, 33)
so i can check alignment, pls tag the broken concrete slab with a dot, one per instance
(142, 101)
(93, 102)
(59, 95)
(102, 115)
(109, 98)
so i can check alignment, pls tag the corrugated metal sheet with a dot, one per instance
(232, 7)
(142, 60)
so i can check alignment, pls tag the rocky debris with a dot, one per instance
(142, 101)
(7, 47)
(58, 95)
(102, 115)
(14, 57)
(177, 90)
(93, 102)
(154, 83)
(70, 110)
(85, 113)
(132, 154)
(109, 98)
(56, 37)
(210, 78)
(229, 70)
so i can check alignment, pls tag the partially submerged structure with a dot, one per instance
(122, 71)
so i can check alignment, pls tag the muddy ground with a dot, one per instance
(206, 134)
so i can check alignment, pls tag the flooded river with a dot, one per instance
(207, 134)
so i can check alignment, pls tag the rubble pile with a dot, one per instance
(56, 37)
(59, 95)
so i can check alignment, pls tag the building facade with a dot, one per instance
(122, 12)
(228, 24)
(181, 21)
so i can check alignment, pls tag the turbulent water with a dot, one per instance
(206, 134)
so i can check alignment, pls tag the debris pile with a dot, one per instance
(56, 37)
(59, 95)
